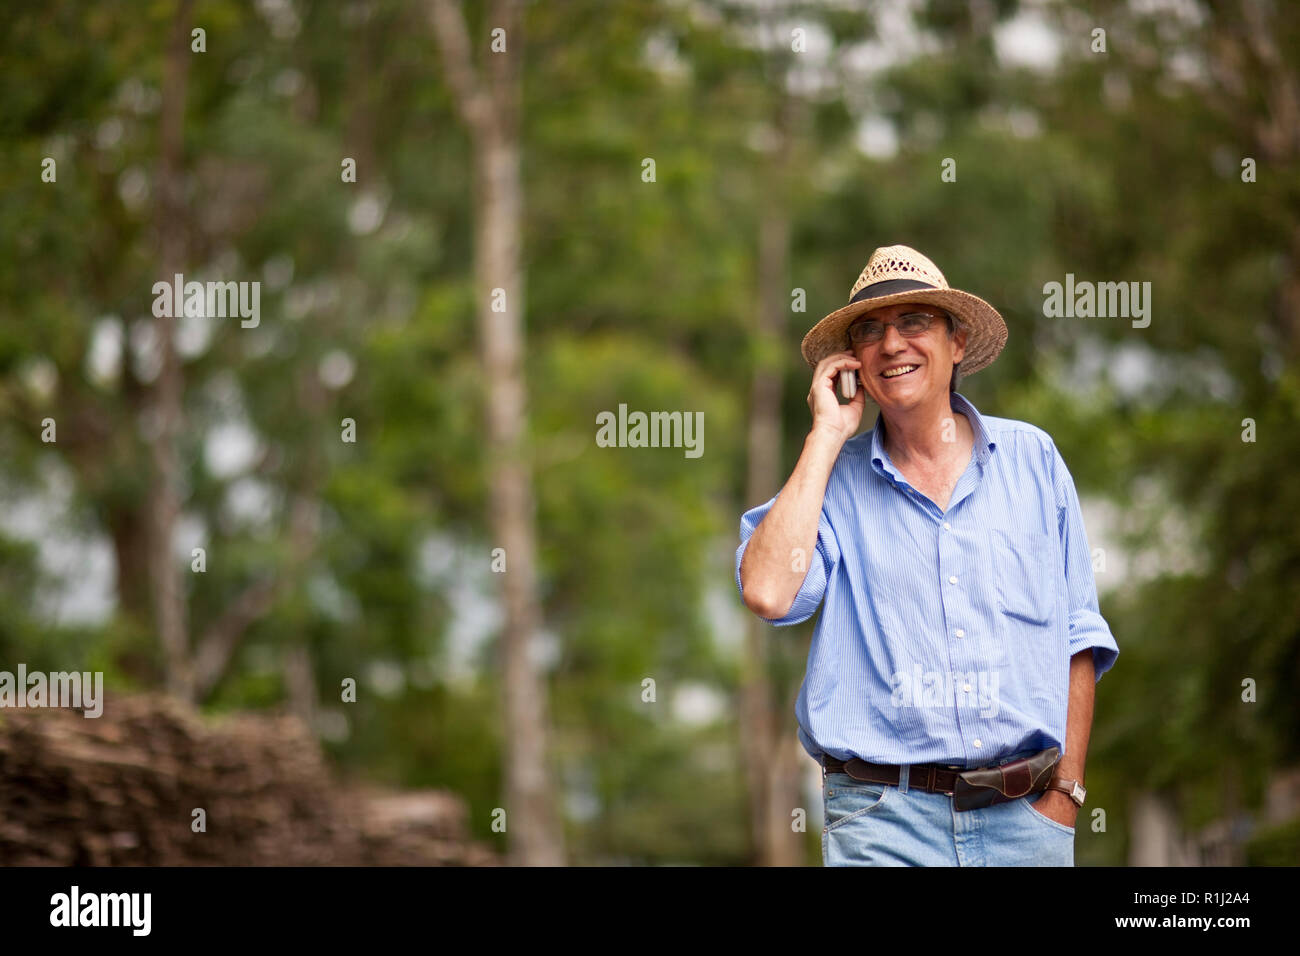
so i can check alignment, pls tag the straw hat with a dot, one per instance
(897, 274)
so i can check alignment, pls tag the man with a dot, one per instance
(961, 628)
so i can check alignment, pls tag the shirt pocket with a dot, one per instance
(1027, 570)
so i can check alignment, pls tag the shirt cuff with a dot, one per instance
(811, 590)
(1089, 629)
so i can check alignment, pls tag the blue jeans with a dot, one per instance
(878, 824)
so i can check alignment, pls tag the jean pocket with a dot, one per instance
(1043, 818)
(847, 798)
(1027, 573)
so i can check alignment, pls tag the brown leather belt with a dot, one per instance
(931, 777)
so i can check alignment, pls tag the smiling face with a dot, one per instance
(930, 354)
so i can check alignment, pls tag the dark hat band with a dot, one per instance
(889, 287)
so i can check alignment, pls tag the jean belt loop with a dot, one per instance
(904, 773)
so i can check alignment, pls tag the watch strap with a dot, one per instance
(1067, 787)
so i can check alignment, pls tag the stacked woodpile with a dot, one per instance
(122, 789)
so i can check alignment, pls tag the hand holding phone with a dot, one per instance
(831, 418)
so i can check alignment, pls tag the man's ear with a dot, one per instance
(958, 345)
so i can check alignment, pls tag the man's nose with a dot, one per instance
(892, 340)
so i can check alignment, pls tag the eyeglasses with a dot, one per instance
(873, 330)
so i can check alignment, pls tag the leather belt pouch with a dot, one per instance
(976, 789)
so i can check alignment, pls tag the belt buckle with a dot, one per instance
(931, 780)
(955, 769)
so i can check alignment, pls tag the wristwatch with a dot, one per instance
(1071, 788)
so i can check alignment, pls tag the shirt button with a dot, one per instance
(947, 526)
(978, 743)
(966, 688)
(961, 632)
(952, 579)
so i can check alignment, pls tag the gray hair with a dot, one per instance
(954, 324)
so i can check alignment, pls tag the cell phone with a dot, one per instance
(849, 382)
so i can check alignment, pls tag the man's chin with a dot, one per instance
(902, 398)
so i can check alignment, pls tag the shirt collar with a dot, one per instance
(984, 445)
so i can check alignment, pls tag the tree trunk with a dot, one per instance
(300, 681)
(131, 548)
(491, 111)
(771, 762)
(1247, 65)
(164, 571)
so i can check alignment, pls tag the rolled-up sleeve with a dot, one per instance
(1088, 629)
(819, 565)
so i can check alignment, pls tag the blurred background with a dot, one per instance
(370, 543)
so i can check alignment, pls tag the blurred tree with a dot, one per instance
(488, 99)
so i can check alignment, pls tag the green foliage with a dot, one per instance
(1114, 167)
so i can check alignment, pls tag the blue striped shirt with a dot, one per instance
(947, 635)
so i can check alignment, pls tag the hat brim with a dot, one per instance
(986, 332)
